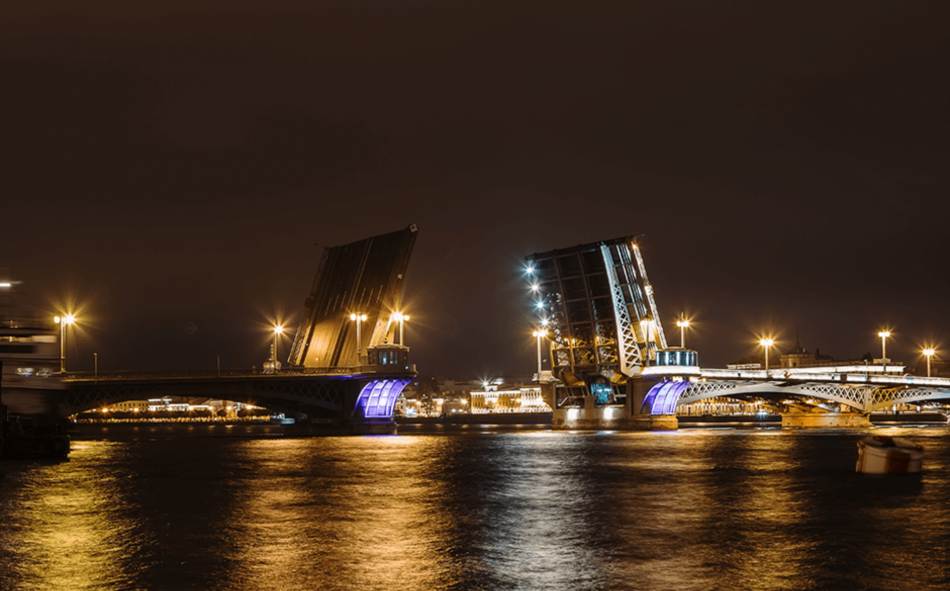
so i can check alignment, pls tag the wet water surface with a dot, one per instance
(480, 509)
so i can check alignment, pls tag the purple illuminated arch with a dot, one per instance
(378, 398)
(662, 398)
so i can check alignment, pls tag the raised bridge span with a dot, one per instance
(611, 366)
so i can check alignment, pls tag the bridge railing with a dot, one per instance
(213, 373)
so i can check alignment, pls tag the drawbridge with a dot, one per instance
(610, 365)
(338, 376)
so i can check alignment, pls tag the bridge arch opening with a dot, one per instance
(377, 399)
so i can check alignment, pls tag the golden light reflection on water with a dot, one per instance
(67, 537)
(364, 515)
(486, 510)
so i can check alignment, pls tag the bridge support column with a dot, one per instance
(640, 418)
(656, 423)
(590, 417)
(371, 427)
(840, 420)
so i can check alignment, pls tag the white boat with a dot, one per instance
(888, 455)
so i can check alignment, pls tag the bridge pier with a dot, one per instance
(811, 420)
(370, 427)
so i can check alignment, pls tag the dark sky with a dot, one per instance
(170, 168)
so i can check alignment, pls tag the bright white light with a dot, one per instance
(545, 322)
(535, 287)
(69, 319)
(279, 329)
(529, 270)
(884, 334)
(929, 351)
(5, 284)
(540, 305)
(766, 342)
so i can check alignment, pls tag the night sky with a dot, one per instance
(170, 169)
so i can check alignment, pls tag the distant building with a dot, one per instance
(508, 395)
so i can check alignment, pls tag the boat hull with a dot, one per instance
(888, 456)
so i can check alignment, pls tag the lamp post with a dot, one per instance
(928, 353)
(400, 318)
(68, 319)
(95, 360)
(359, 318)
(766, 343)
(683, 323)
(278, 330)
(540, 334)
(884, 334)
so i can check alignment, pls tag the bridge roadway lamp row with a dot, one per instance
(360, 318)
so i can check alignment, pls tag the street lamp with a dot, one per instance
(278, 330)
(928, 353)
(359, 318)
(400, 318)
(63, 322)
(767, 343)
(884, 334)
(540, 334)
(683, 323)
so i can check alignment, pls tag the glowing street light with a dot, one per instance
(683, 323)
(540, 334)
(529, 270)
(63, 322)
(884, 334)
(535, 287)
(400, 318)
(278, 330)
(928, 353)
(359, 318)
(767, 343)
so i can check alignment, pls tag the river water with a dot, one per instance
(476, 509)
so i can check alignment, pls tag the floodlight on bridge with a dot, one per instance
(400, 318)
(683, 324)
(767, 344)
(928, 353)
(63, 322)
(884, 334)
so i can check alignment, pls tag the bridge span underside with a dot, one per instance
(323, 399)
(664, 397)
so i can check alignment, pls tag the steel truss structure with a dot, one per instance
(862, 398)
(304, 394)
(597, 304)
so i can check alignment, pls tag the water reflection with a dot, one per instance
(478, 510)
